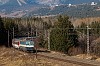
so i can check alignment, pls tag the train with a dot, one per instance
(25, 44)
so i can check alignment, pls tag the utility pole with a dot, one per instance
(49, 39)
(8, 38)
(83, 34)
(31, 30)
(88, 48)
(36, 42)
(13, 33)
(28, 34)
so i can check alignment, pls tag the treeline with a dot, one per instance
(94, 28)
(3, 36)
(25, 25)
(5, 28)
(22, 27)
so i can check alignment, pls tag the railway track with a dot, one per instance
(64, 59)
(70, 61)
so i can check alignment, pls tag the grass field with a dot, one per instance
(13, 57)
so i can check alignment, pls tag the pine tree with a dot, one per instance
(1, 24)
(63, 36)
(2, 31)
(82, 28)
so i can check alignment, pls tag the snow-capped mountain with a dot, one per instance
(44, 2)
(32, 2)
(23, 7)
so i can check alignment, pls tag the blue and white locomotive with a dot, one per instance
(23, 44)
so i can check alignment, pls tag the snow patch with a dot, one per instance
(4, 1)
(48, 2)
(22, 1)
(19, 2)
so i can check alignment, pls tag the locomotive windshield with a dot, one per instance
(29, 43)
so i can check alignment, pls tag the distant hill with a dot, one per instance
(80, 11)
(76, 8)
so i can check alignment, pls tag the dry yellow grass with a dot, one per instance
(98, 59)
(13, 57)
(83, 56)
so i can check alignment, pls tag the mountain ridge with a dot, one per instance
(45, 2)
(14, 8)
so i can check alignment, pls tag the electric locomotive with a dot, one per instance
(23, 44)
